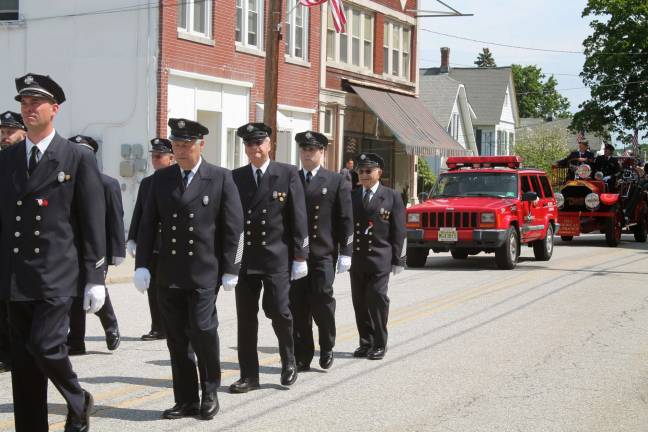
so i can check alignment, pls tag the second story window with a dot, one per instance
(249, 23)
(297, 31)
(194, 16)
(355, 46)
(8, 10)
(396, 49)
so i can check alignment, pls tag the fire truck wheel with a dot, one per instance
(566, 238)
(543, 249)
(459, 254)
(506, 256)
(416, 257)
(612, 232)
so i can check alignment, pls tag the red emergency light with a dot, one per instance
(456, 162)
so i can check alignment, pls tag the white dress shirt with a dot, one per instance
(42, 146)
(313, 171)
(263, 169)
(374, 189)
(193, 172)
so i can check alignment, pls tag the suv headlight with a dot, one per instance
(592, 201)
(560, 199)
(488, 218)
(414, 218)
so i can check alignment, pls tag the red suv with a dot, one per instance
(484, 204)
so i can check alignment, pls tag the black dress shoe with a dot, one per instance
(76, 350)
(4, 367)
(326, 359)
(361, 351)
(245, 385)
(179, 410)
(376, 354)
(209, 406)
(288, 375)
(75, 424)
(302, 366)
(153, 335)
(112, 340)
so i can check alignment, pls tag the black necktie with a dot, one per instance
(185, 178)
(259, 174)
(33, 160)
(309, 176)
(367, 197)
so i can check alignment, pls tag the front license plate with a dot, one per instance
(448, 235)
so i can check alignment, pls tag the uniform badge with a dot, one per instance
(29, 79)
(156, 141)
(181, 124)
(324, 190)
(363, 156)
(205, 200)
(60, 177)
(7, 116)
(78, 139)
(274, 194)
(309, 135)
(249, 128)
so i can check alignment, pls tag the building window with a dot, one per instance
(8, 10)
(328, 121)
(234, 149)
(355, 46)
(194, 16)
(396, 49)
(249, 23)
(297, 31)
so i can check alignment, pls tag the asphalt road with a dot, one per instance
(550, 346)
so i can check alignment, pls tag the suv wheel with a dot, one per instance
(543, 249)
(612, 231)
(416, 257)
(506, 256)
(459, 254)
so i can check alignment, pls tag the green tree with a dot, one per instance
(541, 146)
(537, 97)
(485, 59)
(615, 69)
(426, 177)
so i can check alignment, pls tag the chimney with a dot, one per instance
(445, 60)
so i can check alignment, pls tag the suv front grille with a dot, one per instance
(449, 219)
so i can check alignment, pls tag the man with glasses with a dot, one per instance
(196, 208)
(52, 232)
(275, 252)
(161, 157)
(379, 249)
(330, 226)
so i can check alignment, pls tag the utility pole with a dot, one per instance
(273, 39)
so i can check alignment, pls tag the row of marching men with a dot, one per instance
(266, 229)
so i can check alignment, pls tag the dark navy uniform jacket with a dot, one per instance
(379, 231)
(52, 224)
(201, 228)
(276, 227)
(115, 242)
(142, 194)
(330, 215)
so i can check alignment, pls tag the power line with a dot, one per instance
(473, 66)
(581, 88)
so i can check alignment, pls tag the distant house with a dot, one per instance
(531, 124)
(491, 94)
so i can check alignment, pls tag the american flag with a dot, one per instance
(635, 143)
(337, 12)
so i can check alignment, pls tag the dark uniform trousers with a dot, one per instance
(190, 321)
(379, 244)
(276, 232)
(142, 195)
(314, 295)
(330, 228)
(5, 346)
(115, 247)
(51, 225)
(200, 238)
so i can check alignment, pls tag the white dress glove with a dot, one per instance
(118, 260)
(343, 264)
(94, 297)
(397, 269)
(229, 281)
(142, 279)
(131, 247)
(299, 270)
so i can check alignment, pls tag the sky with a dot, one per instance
(547, 24)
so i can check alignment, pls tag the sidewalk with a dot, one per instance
(122, 273)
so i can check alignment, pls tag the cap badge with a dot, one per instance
(29, 79)
(156, 141)
(181, 124)
(309, 135)
(8, 116)
(205, 200)
(249, 128)
(78, 139)
(60, 177)
(324, 190)
(363, 156)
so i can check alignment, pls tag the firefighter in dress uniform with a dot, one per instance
(379, 249)
(330, 226)
(197, 208)
(275, 252)
(161, 157)
(52, 223)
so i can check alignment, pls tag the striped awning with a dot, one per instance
(410, 122)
